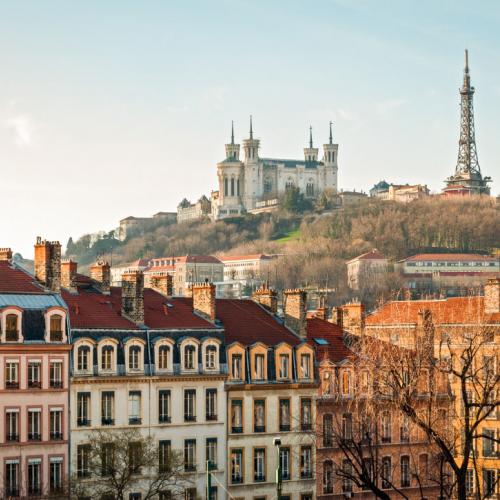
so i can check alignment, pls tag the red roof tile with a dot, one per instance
(450, 257)
(16, 280)
(336, 349)
(199, 259)
(256, 256)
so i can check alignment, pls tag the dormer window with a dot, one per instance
(211, 357)
(237, 366)
(305, 365)
(284, 366)
(107, 357)
(346, 383)
(56, 329)
(259, 367)
(83, 358)
(189, 357)
(163, 357)
(12, 328)
(134, 354)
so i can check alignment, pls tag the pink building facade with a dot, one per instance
(34, 383)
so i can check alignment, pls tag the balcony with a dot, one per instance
(189, 418)
(12, 437)
(134, 420)
(164, 419)
(237, 430)
(12, 336)
(34, 436)
(56, 384)
(107, 421)
(56, 436)
(34, 384)
(236, 479)
(82, 422)
(211, 417)
(12, 384)
(56, 336)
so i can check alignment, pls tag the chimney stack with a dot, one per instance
(100, 272)
(353, 316)
(48, 264)
(163, 284)
(68, 275)
(5, 254)
(492, 296)
(204, 300)
(295, 311)
(336, 318)
(266, 297)
(133, 296)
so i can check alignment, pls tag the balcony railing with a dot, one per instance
(34, 490)
(34, 436)
(34, 384)
(305, 426)
(12, 437)
(164, 419)
(236, 479)
(134, 420)
(12, 491)
(107, 421)
(259, 428)
(211, 417)
(12, 335)
(56, 384)
(56, 336)
(237, 430)
(188, 467)
(284, 427)
(150, 369)
(12, 384)
(82, 421)
(56, 436)
(189, 418)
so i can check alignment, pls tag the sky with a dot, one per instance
(118, 108)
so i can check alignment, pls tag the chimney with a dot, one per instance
(100, 272)
(133, 296)
(48, 264)
(163, 284)
(5, 254)
(68, 275)
(266, 297)
(204, 300)
(337, 316)
(321, 311)
(295, 311)
(353, 316)
(492, 296)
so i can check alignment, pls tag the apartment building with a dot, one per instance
(34, 361)
(247, 269)
(366, 268)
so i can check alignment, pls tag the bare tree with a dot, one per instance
(114, 463)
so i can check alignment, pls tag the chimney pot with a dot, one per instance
(100, 272)
(295, 311)
(162, 284)
(5, 254)
(267, 298)
(133, 296)
(204, 300)
(48, 264)
(69, 269)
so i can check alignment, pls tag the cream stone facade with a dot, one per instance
(245, 184)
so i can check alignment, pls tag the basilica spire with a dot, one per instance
(310, 137)
(251, 128)
(232, 132)
(331, 137)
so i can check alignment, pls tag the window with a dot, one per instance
(285, 463)
(405, 430)
(305, 365)
(11, 328)
(346, 482)
(56, 328)
(310, 189)
(134, 407)
(164, 357)
(134, 353)
(259, 367)
(347, 426)
(328, 477)
(211, 453)
(327, 430)
(83, 460)
(236, 416)
(284, 415)
(190, 455)
(469, 481)
(164, 406)
(12, 478)
(34, 479)
(107, 408)
(305, 414)
(489, 480)
(190, 405)
(488, 443)
(34, 372)
(386, 427)
(12, 425)
(56, 374)
(226, 184)
(236, 367)
(211, 357)
(405, 472)
(232, 186)
(211, 404)
(83, 358)
(259, 415)
(56, 424)
(237, 466)
(107, 358)
(190, 493)
(55, 472)
(12, 375)
(305, 462)
(34, 427)
(284, 366)
(134, 457)
(346, 383)
(189, 357)
(259, 464)
(165, 456)
(386, 472)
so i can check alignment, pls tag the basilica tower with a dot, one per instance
(253, 185)
(311, 153)
(330, 152)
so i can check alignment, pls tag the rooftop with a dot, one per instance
(14, 279)
(450, 257)
(371, 255)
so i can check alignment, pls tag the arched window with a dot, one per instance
(386, 427)
(289, 184)
(83, 358)
(328, 477)
(56, 328)
(134, 353)
(189, 357)
(163, 357)
(327, 430)
(211, 357)
(107, 354)
(310, 188)
(232, 186)
(11, 328)
(226, 186)
(238, 187)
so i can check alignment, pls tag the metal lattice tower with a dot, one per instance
(467, 154)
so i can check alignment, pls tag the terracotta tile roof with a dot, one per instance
(134, 264)
(450, 257)
(335, 350)
(13, 279)
(92, 309)
(199, 259)
(372, 255)
(257, 256)
(247, 322)
(457, 310)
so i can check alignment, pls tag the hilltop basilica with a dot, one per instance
(254, 183)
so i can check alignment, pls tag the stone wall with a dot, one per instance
(133, 296)
(492, 296)
(48, 263)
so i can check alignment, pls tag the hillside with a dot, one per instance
(317, 245)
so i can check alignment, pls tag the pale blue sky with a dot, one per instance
(117, 108)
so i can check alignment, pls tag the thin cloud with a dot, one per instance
(384, 107)
(23, 128)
